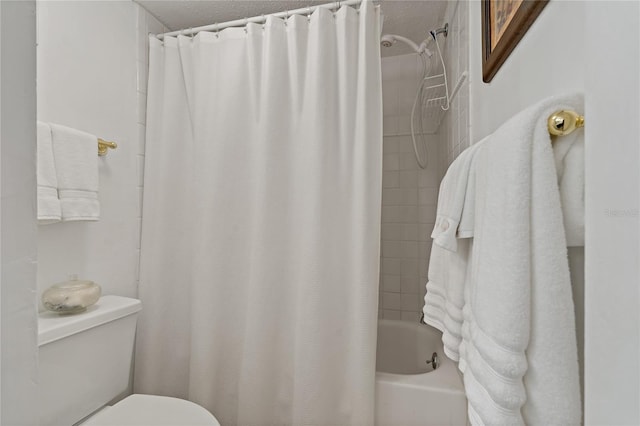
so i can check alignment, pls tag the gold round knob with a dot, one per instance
(564, 122)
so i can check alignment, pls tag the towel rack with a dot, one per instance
(563, 122)
(104, 146)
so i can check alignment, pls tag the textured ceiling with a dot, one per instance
(408, 18)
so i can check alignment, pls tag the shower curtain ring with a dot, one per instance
(216, 29)
(309, 14)
(286, 17)
(191, 33)
(264, 20)
(246, 22)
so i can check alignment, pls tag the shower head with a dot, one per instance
(389, 40)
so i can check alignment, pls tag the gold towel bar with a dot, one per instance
(560, 123)
(563, 122)
(104, 146)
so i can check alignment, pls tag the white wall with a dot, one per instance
(17, 202)
(549, 60)
(408, 196)
(612, 305)
(92, 71)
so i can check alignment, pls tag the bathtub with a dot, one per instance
(408, 391)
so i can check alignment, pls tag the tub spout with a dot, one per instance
(433, 361)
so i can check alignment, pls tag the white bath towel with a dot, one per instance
(48, 202)
(569, 155)
(519, 306)
(444, 298)
(75, 154)
(518, 347)
(451, 199)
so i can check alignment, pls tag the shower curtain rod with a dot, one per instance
(259, 19)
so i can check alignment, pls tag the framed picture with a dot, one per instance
(504, 22)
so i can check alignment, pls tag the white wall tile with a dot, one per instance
(399, 196)
(455, 127)
(408, 179)
(390, 145)
(391, 301)
(424, 250)
(392, 249)
(424, 267)
(410, 267)
(391, 283)
(424, 232)
(404, 124)
(390, 125)
(411, 316)
(406, 96)
(427, 195)
(428, 213)
(391, 266)
(390, 97)
(390, 162)
(405, 144)
(402, 219)
(411, 302)
(390, 179)
(410, 249)
(392, 315)
(410, 284)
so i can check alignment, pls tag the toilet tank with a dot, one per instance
(84, 359)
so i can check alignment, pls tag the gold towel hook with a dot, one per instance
(104, 146)
(563, 122)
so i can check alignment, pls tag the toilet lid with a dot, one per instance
(151, 410)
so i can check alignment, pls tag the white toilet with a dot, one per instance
(85, 363)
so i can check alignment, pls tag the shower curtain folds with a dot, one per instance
(261, 227)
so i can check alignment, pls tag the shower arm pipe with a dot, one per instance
(260, 19)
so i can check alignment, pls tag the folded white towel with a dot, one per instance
(451, 199)
(455, 213)
(75, 154)
(444, 298)
(569, 155)
(48, 202)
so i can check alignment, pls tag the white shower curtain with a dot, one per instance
(260, 236)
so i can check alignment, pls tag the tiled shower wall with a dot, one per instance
(409, 196)
(455, 126)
